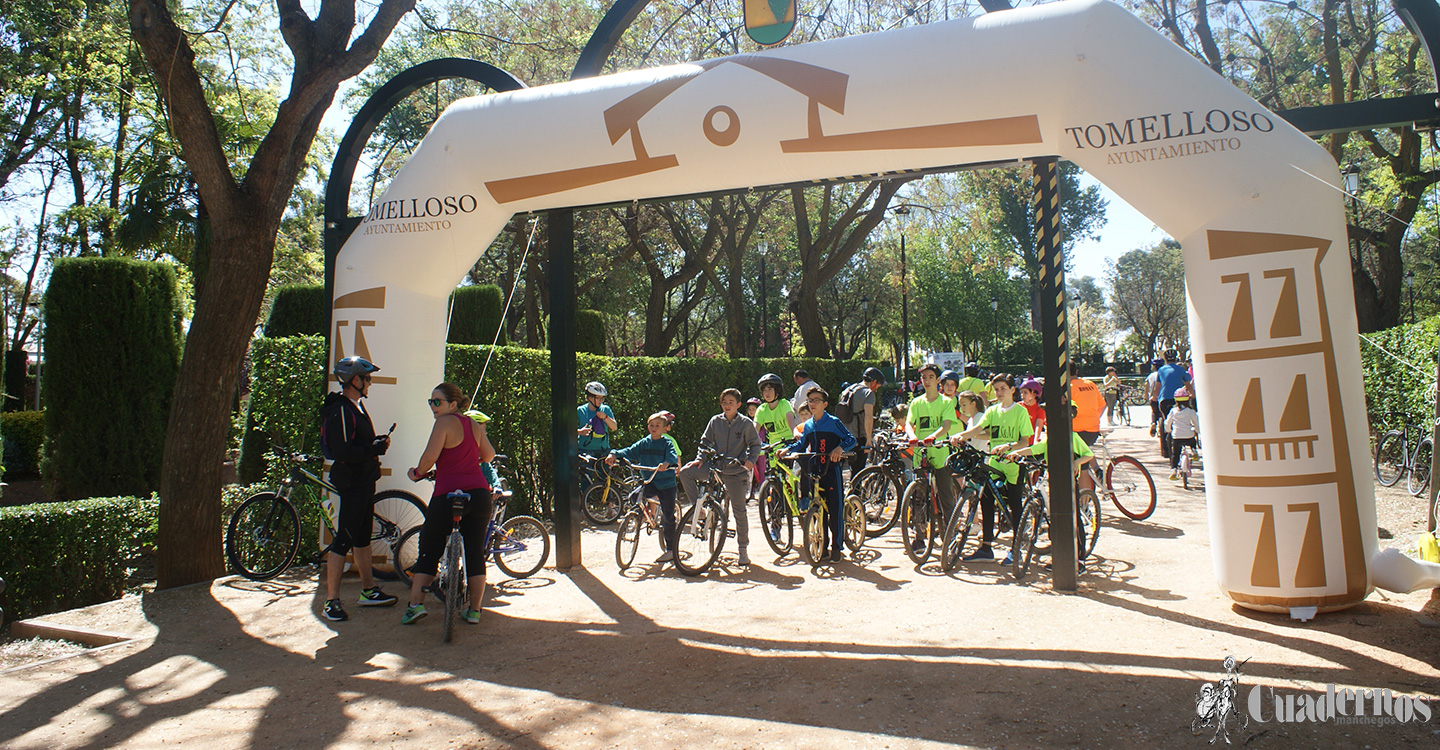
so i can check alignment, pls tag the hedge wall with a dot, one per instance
(23, 434)
(112, 351)
(298, 310)
(58, 556)
(1405, 385)
(475, 314)
(517, 394)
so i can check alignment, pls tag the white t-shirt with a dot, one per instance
(981, 444)
(1152, 384)
(1182, 423)
(803, 391)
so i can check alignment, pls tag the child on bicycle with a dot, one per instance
(828, 436)
(1082, 455)
(1183, 426)
(456, 449)
(655, 450)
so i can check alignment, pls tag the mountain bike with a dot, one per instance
(779, 502)
(263, 536)
(608, 485)
(705, 523)
(814, 524)
(637, 513)
(1125, 481)
(881, 485)
(921, 517)
(979, 478)
(1395, 457)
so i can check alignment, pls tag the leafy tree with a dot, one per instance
(246, 203)
(1147, 295)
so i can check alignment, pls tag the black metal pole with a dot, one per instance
(1053, 329)
(561, 233)
(904, 312)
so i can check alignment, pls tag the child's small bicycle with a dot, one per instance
(637, 513)
(1185, 468)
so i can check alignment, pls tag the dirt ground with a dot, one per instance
(867, 655)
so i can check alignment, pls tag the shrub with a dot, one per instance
(589, 332)
(286, 385)
(58, 556)
(112, 349)
(23, 433)
(475, 315)
(298, 310)
(1399, 366)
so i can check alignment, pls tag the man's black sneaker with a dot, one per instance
(334, 612)
(374, 597)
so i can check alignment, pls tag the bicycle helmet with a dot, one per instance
(595, 388)
(1171, 355)
(351, 367)
(752, 401)
(669, 416)
(770, 379)
(1183, 394)
(1033, 385)
(873, 375)
(972, 369)
(478, 416)
(951, 376)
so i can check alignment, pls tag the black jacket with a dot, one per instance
(350, 438)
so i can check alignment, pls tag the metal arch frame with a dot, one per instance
(338, 221)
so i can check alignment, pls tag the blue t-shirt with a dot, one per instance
(598, 441)
(1171, 377)
(648, 451)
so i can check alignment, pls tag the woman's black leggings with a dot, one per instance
(473, 526)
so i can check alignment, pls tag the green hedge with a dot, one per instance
(475, 314)
(59, 556)
(287, 381)
(23, 433)
(112, 351)
(589, 332)
(298, 310)
(1405, 385)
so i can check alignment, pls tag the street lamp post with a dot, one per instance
(865, 315)
(995, 328)
(904, 213)
(1410, 290)
(1352, 186)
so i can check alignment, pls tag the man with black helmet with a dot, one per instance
(349, 440)
(860, 412)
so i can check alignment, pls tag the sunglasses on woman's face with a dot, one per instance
(435, 401)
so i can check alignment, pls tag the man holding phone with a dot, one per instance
(349, 439)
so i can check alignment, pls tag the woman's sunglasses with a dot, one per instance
(435, 401)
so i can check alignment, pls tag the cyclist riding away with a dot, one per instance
(1182, 424)
(1171, 377)
(349, 439)
(456, 448)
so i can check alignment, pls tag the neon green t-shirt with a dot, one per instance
(772, 420)
(926, 417)
(1007, 426)
(676, 445)
(1079, 446)
(977, 386)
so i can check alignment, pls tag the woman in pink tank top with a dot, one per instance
(457, 446)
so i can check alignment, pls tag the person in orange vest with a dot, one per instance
(1089, 404)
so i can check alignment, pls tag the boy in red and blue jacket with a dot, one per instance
(827, 436)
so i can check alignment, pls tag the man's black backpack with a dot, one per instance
(844, 408)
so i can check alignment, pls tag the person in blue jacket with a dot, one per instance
(826, 435)
(655, 450)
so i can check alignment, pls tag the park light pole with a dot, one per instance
(1352, 186)
(1410, 290)
(902, 213)
(995, 329)
(865, 315)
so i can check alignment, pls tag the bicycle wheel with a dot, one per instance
(263, 537)
(1390, 458)
(601, 504)
(916, 525)
(1418, 480)
(396, 511)
(1027, 537)
(1185, 469)
(1090, 517)
(813, 549)
(702, 537)
(405, 552)
(855, 533)
(1130, 487)
(627, 540)
(521, 546)
(453, 575)
(775, 520)
(954, 546)
(880, 493)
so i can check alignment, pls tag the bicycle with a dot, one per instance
(705, 523)
(921, 517)
(608, 486)
(1126, 482)
(814, 524)
(1183, 465)
(637, 514)
(262, 538)
(779, 502)
(1394, 458)
(880, 486)
(519, 545)
(1026, 523)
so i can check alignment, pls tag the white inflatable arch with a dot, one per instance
(1254, 202)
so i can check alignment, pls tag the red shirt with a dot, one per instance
(1037, 416)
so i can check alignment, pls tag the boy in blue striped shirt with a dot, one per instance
(656, 451)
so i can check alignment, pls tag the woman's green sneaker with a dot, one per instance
(471, 616)
(413, 613)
